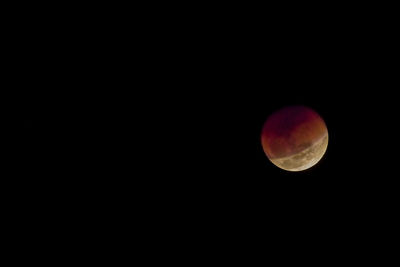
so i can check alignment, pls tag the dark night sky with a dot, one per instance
(166, 122)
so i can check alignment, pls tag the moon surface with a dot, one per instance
(294, 138)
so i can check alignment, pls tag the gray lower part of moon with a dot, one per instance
(304, 159)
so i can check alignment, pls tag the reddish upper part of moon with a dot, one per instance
(290, 130)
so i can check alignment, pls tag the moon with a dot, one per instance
(294, 138)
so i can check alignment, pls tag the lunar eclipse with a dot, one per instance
(294, 138)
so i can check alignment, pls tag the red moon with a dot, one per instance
(294, 138)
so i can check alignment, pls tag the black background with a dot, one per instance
(155, 120)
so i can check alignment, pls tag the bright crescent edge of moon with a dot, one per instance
(304, 159)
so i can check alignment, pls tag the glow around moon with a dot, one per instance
(294, 138)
